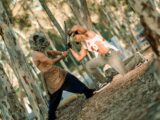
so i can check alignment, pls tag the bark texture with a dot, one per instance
(21, 67)
(10, 106)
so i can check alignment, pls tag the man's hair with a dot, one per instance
(77, 29)
(38, 41)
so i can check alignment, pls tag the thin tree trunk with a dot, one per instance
(53, 19)
(55, 22)
(76, 11)
(109, 21)
(81, 12)
(43, 29)
(21, 68)
(10, 106)
(8, 10)
(86, 14)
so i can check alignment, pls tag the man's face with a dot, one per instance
(44, 42)
(79, 38)
(41, 41)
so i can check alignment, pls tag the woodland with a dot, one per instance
(134, 23)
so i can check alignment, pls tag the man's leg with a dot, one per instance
(136, 59)
(53, 104)
(114, 61)
(92, 66)
(74, 85)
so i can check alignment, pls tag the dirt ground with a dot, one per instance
(135, 96)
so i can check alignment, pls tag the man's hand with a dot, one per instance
(53, 52)
(49, 52)
(69, 33)
(69, 45)
(64, 54)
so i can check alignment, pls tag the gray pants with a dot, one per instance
(112, 59)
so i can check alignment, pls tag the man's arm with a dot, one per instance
(54, 52)
(79, 56)
(44, 59)
(62, 56)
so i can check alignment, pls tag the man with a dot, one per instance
(56, 79)
(105, 53)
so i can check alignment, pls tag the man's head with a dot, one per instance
(38, 41)
(73, 33)
(77, 32)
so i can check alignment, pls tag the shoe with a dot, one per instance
(89, 93)
(142, 58)
(101, 85)
(109, 79)
(110, 73)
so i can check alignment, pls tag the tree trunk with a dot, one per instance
(80, 10)
(55, 22)
(53, 19)
(76, 11)
(21, 68)
(86, 14)
(8, 10)
(149, 12)
(8, 96)
(40, 27)
(150, 20)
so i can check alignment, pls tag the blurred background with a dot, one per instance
(129, 25)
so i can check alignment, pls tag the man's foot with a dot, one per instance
(89, 93)
(110, 73)
(102, 88)
(143, 60)
(101, 85)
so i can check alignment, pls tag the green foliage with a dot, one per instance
(22, 21)
(103, 31)
(71, 21)
(128, 11)
(56, 41)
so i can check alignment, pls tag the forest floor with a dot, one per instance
(135, 96)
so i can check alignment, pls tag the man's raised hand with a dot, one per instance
(69, 45)
(64, 54)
